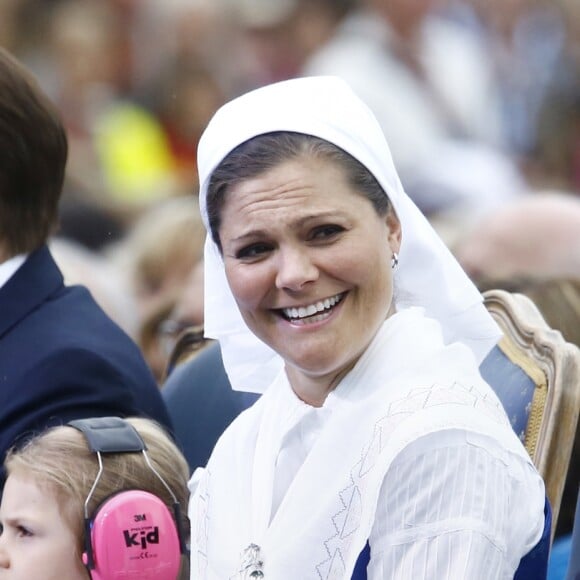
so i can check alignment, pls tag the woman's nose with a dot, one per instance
(295, 268)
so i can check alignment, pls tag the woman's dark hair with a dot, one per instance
(264, 152)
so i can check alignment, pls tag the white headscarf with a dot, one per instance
(427, 274)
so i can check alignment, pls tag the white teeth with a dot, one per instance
(310, 310)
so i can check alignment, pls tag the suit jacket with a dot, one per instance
(63, 358)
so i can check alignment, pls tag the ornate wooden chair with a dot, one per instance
(536, 374)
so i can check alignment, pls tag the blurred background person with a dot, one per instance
(532, 246)
(533, 47)
(535, 237)
(462, 112)
(185, 317)
(430, 83)
(157, 258)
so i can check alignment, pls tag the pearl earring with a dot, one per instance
(394, 260)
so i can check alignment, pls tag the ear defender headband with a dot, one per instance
(132, 534)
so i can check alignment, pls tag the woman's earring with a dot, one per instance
(394, 260)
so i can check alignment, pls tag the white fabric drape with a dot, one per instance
(412, 451)
(427, 275)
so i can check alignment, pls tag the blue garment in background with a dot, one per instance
(559, 558)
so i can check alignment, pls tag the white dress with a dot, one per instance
(412, 452)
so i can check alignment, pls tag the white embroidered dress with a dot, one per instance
(391, 456)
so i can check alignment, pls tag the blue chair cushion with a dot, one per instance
(512, 385)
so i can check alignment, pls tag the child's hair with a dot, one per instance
(60, 461)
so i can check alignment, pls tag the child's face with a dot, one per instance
(35, 541)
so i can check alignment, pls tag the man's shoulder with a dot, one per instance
(68, 335)
(62, 343)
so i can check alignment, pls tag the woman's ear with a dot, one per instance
(394, 227)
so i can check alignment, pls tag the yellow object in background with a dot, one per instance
(134, 154)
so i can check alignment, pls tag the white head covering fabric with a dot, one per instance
(427, 274)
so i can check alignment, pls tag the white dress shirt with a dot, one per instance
(8, 268)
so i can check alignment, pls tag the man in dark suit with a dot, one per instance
(61, 357)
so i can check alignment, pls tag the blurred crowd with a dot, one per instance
(479, 100)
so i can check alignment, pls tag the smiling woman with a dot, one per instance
(330, 294)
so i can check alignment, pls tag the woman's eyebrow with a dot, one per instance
(324, 214)
(299, 223)
(248, 236)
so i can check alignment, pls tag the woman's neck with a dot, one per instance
(313, 389)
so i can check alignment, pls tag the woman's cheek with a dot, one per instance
(247, 282)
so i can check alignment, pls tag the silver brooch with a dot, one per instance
(251, 565)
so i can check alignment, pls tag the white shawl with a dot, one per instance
(406, 385)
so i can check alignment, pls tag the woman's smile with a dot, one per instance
(315, 312)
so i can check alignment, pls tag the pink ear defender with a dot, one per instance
(132, 534)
